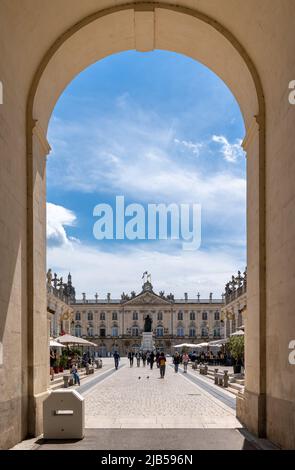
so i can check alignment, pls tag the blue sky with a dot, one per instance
(154, 127)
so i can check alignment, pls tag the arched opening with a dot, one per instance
(150, 26)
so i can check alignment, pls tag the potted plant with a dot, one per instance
(56, 367)
(236, 349)
(62, 363)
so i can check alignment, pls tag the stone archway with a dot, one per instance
(144, 27)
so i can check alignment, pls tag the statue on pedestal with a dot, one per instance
(148, 324)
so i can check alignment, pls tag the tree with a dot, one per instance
(236, 348)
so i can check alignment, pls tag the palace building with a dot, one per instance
(117, 324)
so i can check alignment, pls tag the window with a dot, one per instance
(115, 331)
(192, 316)
(216, 315)
(160, 316)
(204, 332)
(192, 332)
(78, 316)
(115, 316)
(102, 332)
(90, 330)
(204, 316)
(180, 316)
(90, 316)
(134, 331)
(180, 331)
(102, 316)
(160, 331)
(216, 331)
(135, 316)
(78, 331)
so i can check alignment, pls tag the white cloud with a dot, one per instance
(57, 218)
(194, 147)
(94, 270)
(231, 152)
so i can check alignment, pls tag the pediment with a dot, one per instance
(147, 298)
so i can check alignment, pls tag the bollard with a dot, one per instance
(215, 376)
(64, 415)
(225, 378)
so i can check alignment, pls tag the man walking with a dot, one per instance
(152, 359)
(176, 361)
(116, 359)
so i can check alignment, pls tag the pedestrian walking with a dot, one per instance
(131, 357)
(176, 361)
(116, 359)
(162, 365)
(138, 359)
(185, 359)
(157, 358)
(143, 356)
(152, 359)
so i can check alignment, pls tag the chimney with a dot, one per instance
(185, 296)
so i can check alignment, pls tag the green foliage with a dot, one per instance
(63, 361)
(236, 347)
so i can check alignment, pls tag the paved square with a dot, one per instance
(138, 398)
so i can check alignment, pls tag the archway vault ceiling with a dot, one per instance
(145, 26)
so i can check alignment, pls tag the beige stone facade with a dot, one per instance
(250, 45)
(117, 324)
(234, 309)
(60, 314)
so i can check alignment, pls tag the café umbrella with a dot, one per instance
(55, 344)
(69, 339)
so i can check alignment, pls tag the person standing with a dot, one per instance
(116, 359)
(176, 361)
(185, 359)
(162, 364)
(152, 359)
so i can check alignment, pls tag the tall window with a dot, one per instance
(90, 330)
(204, 316)
(216, 315)
(180, 331)
(135, 316)
(90, 316)
(134, 331)
(216, 331)
(192, 332)
(115, 331)
(115, 316)
(180, 316)
(192, 316)
(102, 316)
(102, 332)
(160, 331)
(78, 331)
(78, 316)
(160, 316)
(204, 332)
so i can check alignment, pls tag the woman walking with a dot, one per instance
(185, 359)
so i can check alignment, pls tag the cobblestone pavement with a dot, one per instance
(138, 398)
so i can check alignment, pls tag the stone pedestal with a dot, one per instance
(147, 343)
